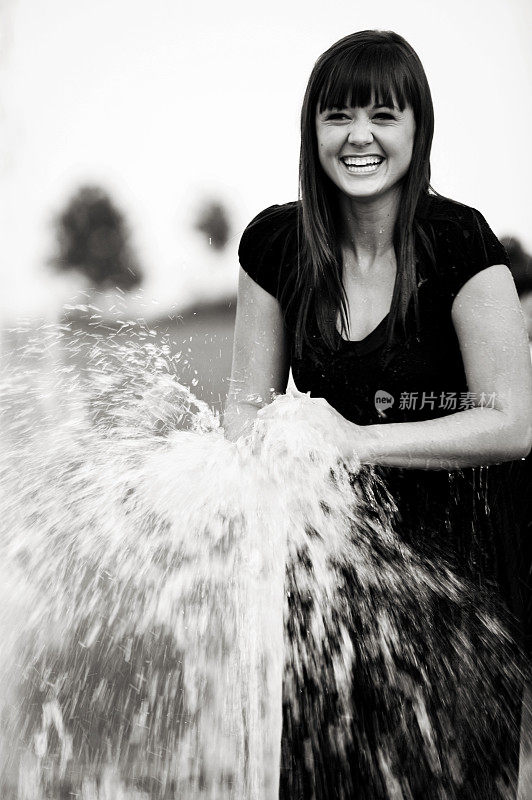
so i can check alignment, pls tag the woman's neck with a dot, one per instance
(367, 229)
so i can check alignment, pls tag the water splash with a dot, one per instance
(147, 564)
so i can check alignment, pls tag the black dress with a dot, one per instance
(472, 518)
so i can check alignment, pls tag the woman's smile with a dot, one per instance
(362, 165)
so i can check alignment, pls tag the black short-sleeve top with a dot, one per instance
(368, 381)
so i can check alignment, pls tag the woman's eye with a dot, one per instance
(383, 115)
(337, 115)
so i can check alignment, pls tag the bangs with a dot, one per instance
(371, 74)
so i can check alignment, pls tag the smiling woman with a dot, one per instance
(396, 307)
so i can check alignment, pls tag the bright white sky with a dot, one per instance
(167, 102)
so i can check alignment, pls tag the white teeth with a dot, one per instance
(361, 162)
(358, 169)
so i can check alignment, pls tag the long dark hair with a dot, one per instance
(360, 68)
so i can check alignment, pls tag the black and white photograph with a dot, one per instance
(265, 400)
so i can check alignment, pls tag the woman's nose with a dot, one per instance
(360, 133)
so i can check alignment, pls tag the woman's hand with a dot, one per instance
(320, 420)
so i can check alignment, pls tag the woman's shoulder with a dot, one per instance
(271, 223)
(269, 243)
(462, 241)
(443, 212)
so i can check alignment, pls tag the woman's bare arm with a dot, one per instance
(260, 359)
(489, 324)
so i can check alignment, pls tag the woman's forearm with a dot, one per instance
(239, 417)
(470, 438)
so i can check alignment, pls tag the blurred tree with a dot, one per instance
(521, 264)
(213, 222)
(92, 237)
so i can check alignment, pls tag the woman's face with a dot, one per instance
(365, 151)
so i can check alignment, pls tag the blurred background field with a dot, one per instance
(192, 340)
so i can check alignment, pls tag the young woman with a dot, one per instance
(397, 307)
